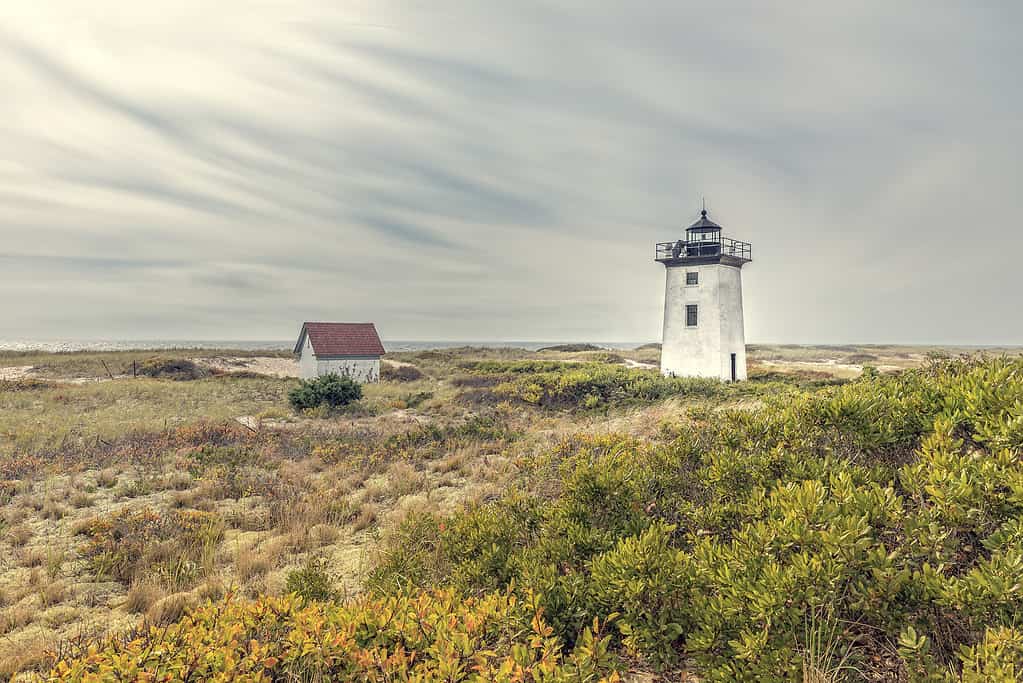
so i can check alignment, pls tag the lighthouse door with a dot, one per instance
(733, 367)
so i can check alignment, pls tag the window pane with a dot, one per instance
(691, 315)
(692, 278)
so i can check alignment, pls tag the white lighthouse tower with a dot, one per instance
(703, 329)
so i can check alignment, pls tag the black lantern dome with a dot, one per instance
(703, 244)
(703, 230)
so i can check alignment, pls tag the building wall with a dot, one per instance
(363, 369)
(307, 361)
(704, 350)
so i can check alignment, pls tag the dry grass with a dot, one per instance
(54, 562)
(211, 589)
(82, 500)
(107, 478)
(30, 655)
(51, 593)
(366, 517)
(123, 406)
(825, 658)
(179, 480)
(251, 563)
(15, 617)
(404, 479)
(325, 534)
(282, 502)
(96, 364)
(53, 510)
(19, 535)
(142, 596)
(33, 557)
(166, 611)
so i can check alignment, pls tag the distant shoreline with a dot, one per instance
(68, 346)
(397, 346)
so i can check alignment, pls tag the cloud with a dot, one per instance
(501, 170)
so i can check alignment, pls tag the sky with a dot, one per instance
(486, 170)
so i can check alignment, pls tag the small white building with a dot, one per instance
(350, 349)
(703, 325)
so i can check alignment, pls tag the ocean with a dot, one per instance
(66, 345)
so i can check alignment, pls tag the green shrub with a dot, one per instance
(998, 657)
(645, 580)
(171, 368)
(312, 581)
(891, 504)
(590, 385)
(570, 348)
(332, 391)
(873, 528)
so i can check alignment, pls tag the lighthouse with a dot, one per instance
(703, 329)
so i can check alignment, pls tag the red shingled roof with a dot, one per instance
(341, 339)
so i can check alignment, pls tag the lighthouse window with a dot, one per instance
(692, 279)
(691, 315)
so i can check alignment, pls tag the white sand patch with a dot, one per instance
(830, 366)
(16, 372)
(629, 363)
(263, 365)
(396, 363)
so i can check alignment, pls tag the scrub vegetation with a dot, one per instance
(330, 391)
(514, 516)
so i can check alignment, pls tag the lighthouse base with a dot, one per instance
(703, 323)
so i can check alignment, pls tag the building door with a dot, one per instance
(733, 367)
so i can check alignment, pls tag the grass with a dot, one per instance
(827, 658)
(277, 494)
(104, 411)
(96, 364)
(142, 595)
(80, 455)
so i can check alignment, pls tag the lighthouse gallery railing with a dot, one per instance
(668, 251)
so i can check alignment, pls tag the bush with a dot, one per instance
(333, 391)
(135, 545)
(594, 385)
(432, 637)
(892, 504)
(179, 369)
(400, 373)
(571, 348)
(646, 580)
(311, 582)
(874, 527)
(25, 384)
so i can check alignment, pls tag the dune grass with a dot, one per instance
(102, 364)
(44, 418)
